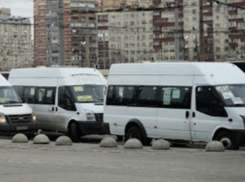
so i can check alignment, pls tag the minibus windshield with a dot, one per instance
(232, 95)
(9, 96)
(88, 93)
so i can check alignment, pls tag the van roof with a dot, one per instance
(205, 73)
(172, 68)
(68, 75)
(44, 72)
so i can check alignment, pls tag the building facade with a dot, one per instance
(64, 32)
(16, 45)
(124, 37)
(222, 25)
(103, 32)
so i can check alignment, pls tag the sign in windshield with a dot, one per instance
(233, 95)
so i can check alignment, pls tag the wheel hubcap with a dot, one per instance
(226, 142)
(133, 135)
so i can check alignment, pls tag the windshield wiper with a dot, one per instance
(235, 105)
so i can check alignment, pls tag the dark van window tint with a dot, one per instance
(146, 96)
(120, 95)
(175, 97)
(127, 95)
(65, 100)
(29, 94)
(45, 95)
(208, 102)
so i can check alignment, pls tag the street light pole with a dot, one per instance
(82, 44)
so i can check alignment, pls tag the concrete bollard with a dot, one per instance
(108, 142)
(160, 144)
(133, 144)
(41, 139)
(63, 140)
(19, 138)
(214, 146)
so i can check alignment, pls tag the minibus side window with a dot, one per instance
(127, 95)
(146, 96)
(46, 95)
(65, 100)
(110, 96)
(175, 97)
(29, 95)
(207, 102)
(120, 95)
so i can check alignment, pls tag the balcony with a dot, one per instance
(236, 36)
(156, 2)
(166, 24)
(233, 44)
(157, 47)
(164, 39)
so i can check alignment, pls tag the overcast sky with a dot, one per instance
(23, 8)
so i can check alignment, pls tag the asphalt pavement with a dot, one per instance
(87, 162)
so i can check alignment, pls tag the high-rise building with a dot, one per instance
(16, 45)
(124, 37)
(64, 32)
(105, 5)
(219, 27)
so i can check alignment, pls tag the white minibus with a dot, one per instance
(64, 100)
(182, 101)
(15, 116)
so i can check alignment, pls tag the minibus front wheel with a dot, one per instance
(74, 132)
(228, 141)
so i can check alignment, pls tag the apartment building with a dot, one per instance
(223, 29)
(105, 5)
(124, 37)
(140, 30)
(64, 32)
(16, 45)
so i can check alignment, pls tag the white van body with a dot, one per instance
(15, 116)
(58, 98)
(183, 101)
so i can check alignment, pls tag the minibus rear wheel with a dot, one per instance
(74, 132)
(227, 140)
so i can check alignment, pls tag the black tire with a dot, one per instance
(134, 132)
(119, 138)
(30, 136)
(227, 140)
(74, 132)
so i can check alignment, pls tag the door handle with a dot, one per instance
(193, 114)
(54, 109)
(187, 114)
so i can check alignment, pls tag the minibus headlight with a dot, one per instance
(90, 115)
(34, 118)
(2, 118)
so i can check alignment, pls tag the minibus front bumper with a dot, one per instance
(93, 127)
(10, 128)
(239, 136)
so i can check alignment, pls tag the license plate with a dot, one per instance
(22, 128)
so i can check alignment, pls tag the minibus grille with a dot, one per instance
(99, 117)
(20, 118)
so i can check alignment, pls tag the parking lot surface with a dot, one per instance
(87, 162)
